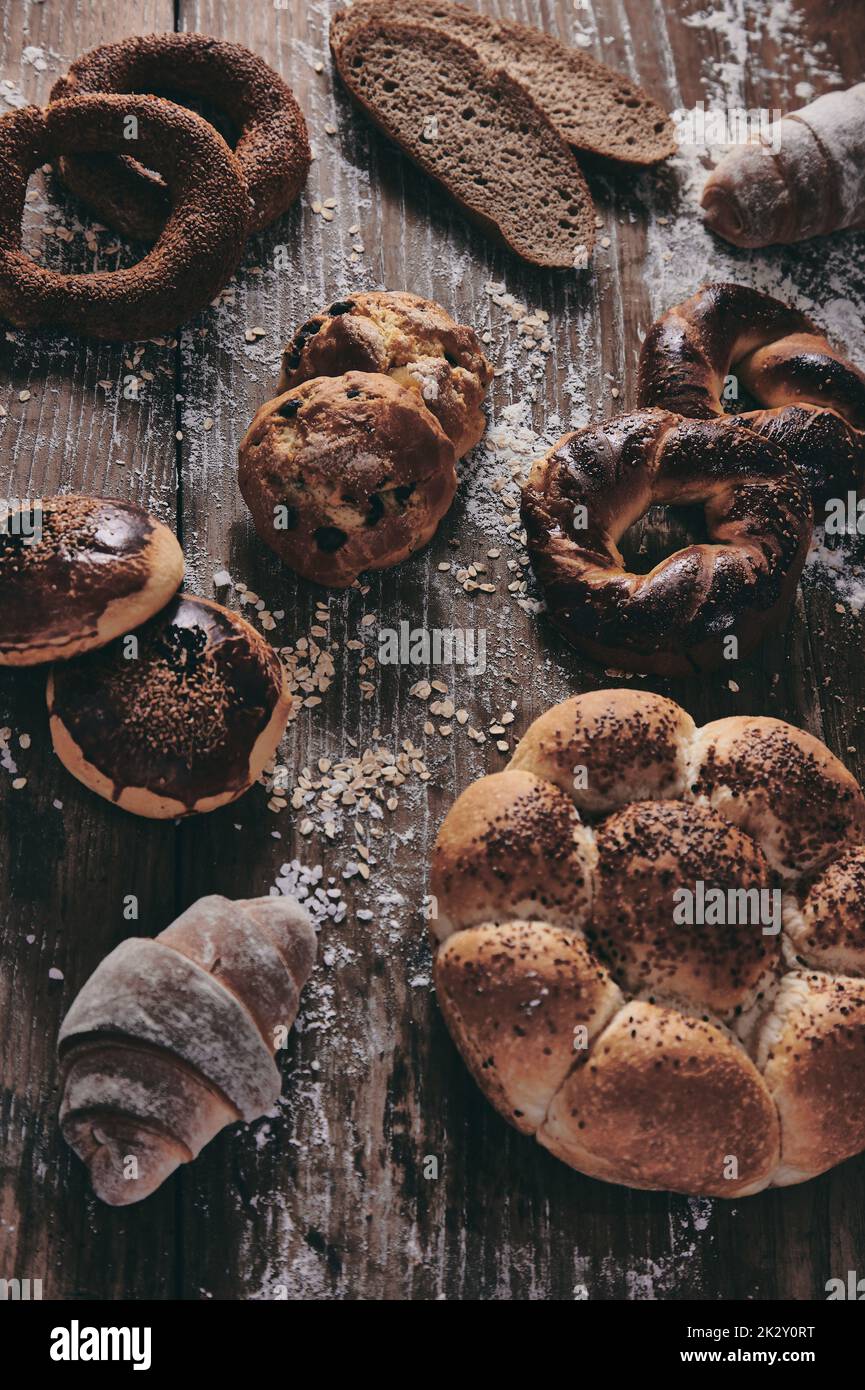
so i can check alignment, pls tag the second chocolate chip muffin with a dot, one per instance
(408, 338)
(345, 474)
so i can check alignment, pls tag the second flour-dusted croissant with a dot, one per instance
(173, 1038)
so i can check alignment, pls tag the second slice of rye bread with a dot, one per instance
(477, 132)
(594, 109)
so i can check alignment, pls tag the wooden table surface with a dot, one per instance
(330, 1197)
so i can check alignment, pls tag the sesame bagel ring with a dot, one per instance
(812, 398)
(272, 146)
(197, 252)
(583, 495)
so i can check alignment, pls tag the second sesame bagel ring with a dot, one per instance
(813, 399)
(272, 146)
(197, 252)
(583, 495)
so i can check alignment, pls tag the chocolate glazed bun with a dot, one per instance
(96, 568)
(410, 339)
(185, 725)
(708, 1052)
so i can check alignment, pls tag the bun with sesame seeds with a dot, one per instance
(613, 960)
(344, 474)
(177, 718)
(76, 572)
(410, 339)
(781, 785)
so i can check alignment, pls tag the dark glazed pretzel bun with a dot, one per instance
(675, 619)
(814, 398)
(98, 568)
(185, 725)
(345, 474)
(410, 339)
(711, 1054)
(199, 248)
(272, 147)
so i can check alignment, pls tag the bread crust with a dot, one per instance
(713, 1060)
(272, 147)
(199, 247)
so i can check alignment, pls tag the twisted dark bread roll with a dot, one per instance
(410, 339)
(272, 147)
(814, 398)
(346, 473)
(172, 1039)
(592, 485)
(702, 1054)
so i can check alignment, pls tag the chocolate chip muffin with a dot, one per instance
(410, 339)
(345, 474)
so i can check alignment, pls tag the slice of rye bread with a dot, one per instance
(593, 108)
(490, 146)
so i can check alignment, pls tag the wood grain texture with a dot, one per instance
(328, 1198)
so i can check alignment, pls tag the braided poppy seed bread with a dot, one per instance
(96, 568)
(345, 474)
(703, 1053)
(410, 339)
(177, 719)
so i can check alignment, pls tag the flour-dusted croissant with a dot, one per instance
(172, 1039)
(805, 177)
